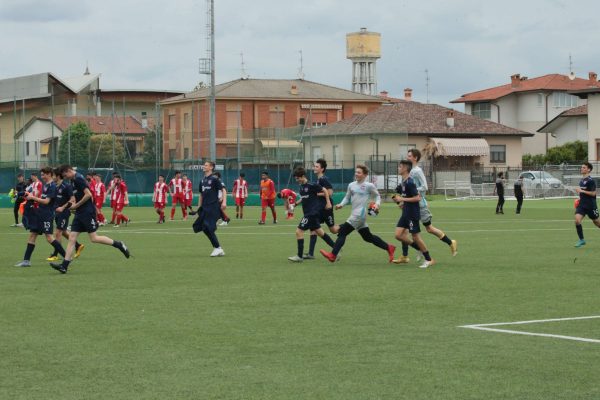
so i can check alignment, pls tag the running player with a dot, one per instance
(99, 198)
(587, 202)
(409, 221)
(267, 197)
(188, 193)
(64, 198)
(159, 198)
(121, 200)
(176, 190)
(289, 201)
(418, 177)
(311, 207)
(360, 194)
(326, 214)
(240, 193)
(42, 224)
(209, 207)
(85, 219)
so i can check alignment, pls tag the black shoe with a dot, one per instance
(274, 221)
(261, 222)
(193, 212)
(123, 248)
(59, 267)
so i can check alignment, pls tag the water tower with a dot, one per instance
(363, 48)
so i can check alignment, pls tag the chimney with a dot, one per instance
(515, 80)
(294, 90)
(593, 77)
(450, 118)
(383, 93)
(408, 94)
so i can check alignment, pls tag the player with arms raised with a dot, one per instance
(587, 202)
(362, 195)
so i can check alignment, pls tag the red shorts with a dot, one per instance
(187, 202)
(267, 203)
(99, 204)
(159, 205)
(240, 201)
(119, 206)
(112, 203)
(177, 199)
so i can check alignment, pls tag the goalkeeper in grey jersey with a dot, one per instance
(360, 194)
(416, 173)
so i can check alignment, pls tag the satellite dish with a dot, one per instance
(572, 75)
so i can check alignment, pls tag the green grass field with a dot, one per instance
(173, 323)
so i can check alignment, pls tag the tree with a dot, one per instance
(101, 150)
(200, 85)
(73, 145)
(569, 152)
(151, 150)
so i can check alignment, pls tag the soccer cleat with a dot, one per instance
(330, 256)
(224, 223)
(116, 226)
(454, 248)
(59, 267)
(401, 260)
(20, 225)
(52, 258)
(192, 212)
(127, 221)
(391, 249)
(308, 257)
(78, 251)
(419, 256)
(123, 248)
(13, 226)
(24, 263)
(427, 264)
(274, 221)
(218, 252)
(580, 243)
(261, 222)
(101, 224)
(295, 259)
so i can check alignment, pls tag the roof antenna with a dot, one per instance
(244, 74)
(87, 68)
(301, 70)
(427, 83)
(571, 73)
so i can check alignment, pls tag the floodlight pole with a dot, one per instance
(213, 136)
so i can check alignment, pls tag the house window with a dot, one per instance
(482, 110)
(316, 153)
(497, 153)
(186, 153)
(318, 124)
(172, 122)
(540, 99)
(35, 148)
(186, 121)
(26, 148)
(336, 155)
(172, 154)
(564, 100)
(404, 148)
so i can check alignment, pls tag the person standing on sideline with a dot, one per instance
(176, 190)
(499, 190)
(411, 214)
(99, 198)
(159, 198)
(418, 177)
(42, 224)
(19, 191)
(240, 193)
(85, 219)
(519, 193)
(267, 197)
(586, 204)
(188, 193)
(209, 207)
(361, 195)
(311, 207)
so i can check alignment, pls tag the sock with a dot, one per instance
(274, 214)
(112, 218)
(117, 244)
(339, 243)
(300, 247)
(58, 247)
(377, 241)
(404, 249)
(327, 240)
(579, 229)
(101, 217)
(414, 246)
(426, 255)
(184, 211)
(172, 213)
(213, 239)
(446, 240)
(263, 215)
(162, 214)
(66, 263)
(77, 246)
(28, 251)
(311, 245)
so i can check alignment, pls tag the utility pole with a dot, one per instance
(207, 67)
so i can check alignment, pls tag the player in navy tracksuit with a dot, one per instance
(85, 218)
(587, 202)
(210, 207)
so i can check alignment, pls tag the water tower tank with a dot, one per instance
(363, 48)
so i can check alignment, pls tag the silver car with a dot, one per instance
(539, 180)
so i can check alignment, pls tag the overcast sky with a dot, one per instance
(152, 44)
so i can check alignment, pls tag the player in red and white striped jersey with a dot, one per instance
(99, 197)
(160, 198)
(176, 190)
(289, 201)
(36, 188)
(188, 193)
(110, 192)
(121, 200)
(240, 194)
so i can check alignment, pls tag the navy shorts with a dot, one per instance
(207, 219)
(42, 224)
(62, 220)
(412, 224)
(84, 222)
(309, 223)
(327, 218)
(591, 213)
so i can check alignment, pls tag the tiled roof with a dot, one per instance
(546, 82)
(557, 121)
(276, 89)
(105, 124)
(581, 110)
(418, 119)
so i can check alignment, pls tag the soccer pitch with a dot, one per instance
(173, 323)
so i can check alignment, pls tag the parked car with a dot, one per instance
(539, 180)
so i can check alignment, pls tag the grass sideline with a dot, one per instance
(173, 323)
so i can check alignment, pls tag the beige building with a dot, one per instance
(528, 104)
